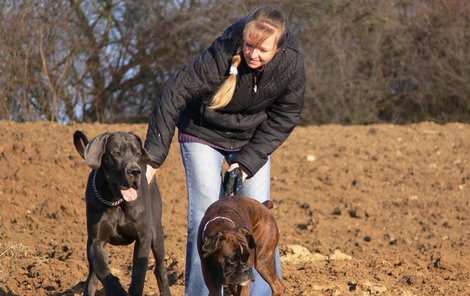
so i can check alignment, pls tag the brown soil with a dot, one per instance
(363, 210)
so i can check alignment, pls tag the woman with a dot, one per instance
(238, 100)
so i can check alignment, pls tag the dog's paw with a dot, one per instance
(113, 287)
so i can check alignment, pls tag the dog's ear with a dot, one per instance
(95, 150)
(249, 237)
(212, 243)
(145, 157)
(80, 141)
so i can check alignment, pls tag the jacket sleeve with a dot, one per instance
(282, 117)
(186, 84)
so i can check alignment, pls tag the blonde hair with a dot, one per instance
(224, 94)
(263, 23)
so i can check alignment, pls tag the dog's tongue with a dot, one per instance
(129, 194)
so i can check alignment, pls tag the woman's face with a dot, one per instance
(260, 55)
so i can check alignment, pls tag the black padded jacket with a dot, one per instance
(257, 120)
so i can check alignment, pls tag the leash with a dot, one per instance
(233, 182)
(212, 220)
(97, 194)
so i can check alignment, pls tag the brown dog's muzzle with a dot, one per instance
(239, 274)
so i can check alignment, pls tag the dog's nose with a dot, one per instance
(248, 272)
(134, 171)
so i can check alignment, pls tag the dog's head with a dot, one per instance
(231, 252)
(121, 157)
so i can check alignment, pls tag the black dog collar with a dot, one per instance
(97, 194)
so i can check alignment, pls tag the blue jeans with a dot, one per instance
(203, 166)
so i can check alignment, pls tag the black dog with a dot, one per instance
(121, 208)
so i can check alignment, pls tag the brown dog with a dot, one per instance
(236, 234)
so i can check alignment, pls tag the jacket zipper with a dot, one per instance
(256, 75)
(255, 82)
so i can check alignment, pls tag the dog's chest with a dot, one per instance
(123, 234)
(121, 229)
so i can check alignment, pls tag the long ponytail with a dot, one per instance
(224, 94)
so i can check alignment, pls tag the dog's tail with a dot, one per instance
(268, 204)
(80, 141)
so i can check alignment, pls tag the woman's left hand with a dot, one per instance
(234, 166)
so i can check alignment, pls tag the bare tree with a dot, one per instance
(366, 61)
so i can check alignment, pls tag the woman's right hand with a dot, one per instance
(150, 173)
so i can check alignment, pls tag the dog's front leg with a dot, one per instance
(266, 266)
(92, 280)
(245, 290)
(215, 291)
(91, 284)
(139, 265)
(99, 259)
(212, 280)
(238, 290)
(160, 272)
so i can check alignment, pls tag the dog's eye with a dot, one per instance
(116, 153)
(138, 154)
